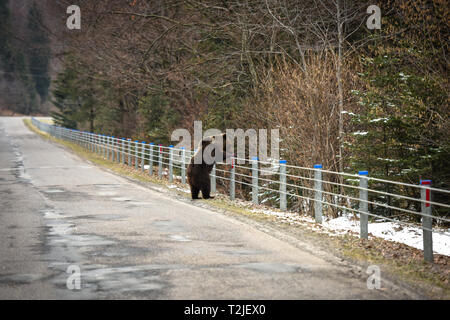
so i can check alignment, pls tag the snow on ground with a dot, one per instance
(409, 235)
(174, 186)
(397, 232)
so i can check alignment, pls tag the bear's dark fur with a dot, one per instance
(198, 170)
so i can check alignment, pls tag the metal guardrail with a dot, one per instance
(313, 189)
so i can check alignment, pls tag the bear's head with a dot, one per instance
(214, 149)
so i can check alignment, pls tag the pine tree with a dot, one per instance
(39, 52)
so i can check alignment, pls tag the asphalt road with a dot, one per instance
(128, 241)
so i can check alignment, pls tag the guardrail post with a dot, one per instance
(183, 166)
(129, 151)
(160, 162)
(232, 180)
(427, 222)
(123, 150)
(118, 153)
(142, 156)
(110, 147)
(150, 161)
(255, 188)
(107, 148)
(118, 149)
(136, 153)
(363, 205)
(171, 163)
(213, 179)
(283, 197)
(102, 145)
(113, 149)
(111, 143)
(318, 193)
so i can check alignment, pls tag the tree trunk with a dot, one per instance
(339, 81)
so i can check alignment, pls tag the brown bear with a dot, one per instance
(201, 164)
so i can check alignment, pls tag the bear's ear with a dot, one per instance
(222, 136)
(206, 142)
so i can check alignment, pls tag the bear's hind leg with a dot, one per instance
(206, 192)
(194, 192)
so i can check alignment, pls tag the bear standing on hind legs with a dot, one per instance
(202, 163)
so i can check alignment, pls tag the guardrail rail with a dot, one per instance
(314, 189)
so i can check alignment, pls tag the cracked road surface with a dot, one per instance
(129, 241)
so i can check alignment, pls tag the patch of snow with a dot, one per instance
(397, 232)
(174, 186)
(347, 112)
(380, 119)
(387, 160)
